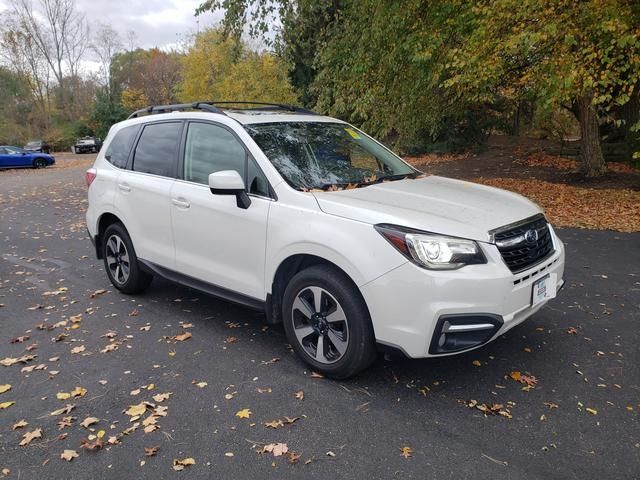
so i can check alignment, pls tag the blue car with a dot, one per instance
(14, 157)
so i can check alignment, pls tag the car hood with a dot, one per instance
(434, 204)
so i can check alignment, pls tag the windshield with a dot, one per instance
(319, 155)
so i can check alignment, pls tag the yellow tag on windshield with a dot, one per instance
(353, 133)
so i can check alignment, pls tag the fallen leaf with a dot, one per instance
(5, 405)
(64, 410)
(89, 421)
(276, 449)
(293, 457)
(92, 445)
(477, 363)
(244, 413)
(182, 337)
(69, 455)
(136, 410)
(63, 395)
(406, 452)
(20, 339)
(161, 397)
(150, 451)
(29, 436)
(274, 424)
(5, 388)
(78, 349)
(299, 395)
(98, 292)
(201, 384)
(65, 422)
(316, 375)
(19, 424)
(180, 464)
(592, 411)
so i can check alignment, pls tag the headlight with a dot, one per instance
(430, 250)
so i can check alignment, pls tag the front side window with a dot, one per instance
(118, 151)
(319, 155)
(211, 148)
(14, 150)
(157, 149)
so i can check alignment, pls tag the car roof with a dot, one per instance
(244, 117)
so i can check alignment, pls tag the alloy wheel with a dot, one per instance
(320, 325)
(117, 259)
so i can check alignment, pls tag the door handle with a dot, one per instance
(180, 202)
(124, 187)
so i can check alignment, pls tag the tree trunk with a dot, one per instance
(590, 148)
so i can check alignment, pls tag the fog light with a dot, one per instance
(454, 333)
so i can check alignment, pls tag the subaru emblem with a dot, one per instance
(531, 236)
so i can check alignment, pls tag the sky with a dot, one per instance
(156, 23)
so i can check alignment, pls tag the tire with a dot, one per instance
(121, 262)
(347, 346)
(39, 163)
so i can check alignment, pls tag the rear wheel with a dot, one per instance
(327, 322)
(121, 262)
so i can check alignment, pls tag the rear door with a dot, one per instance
(216, 241)
(143, 191)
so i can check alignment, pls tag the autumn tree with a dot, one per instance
(220, 68)
(583, 56)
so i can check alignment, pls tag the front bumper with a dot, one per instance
(407, 303)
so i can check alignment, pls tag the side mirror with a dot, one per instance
(229, 182)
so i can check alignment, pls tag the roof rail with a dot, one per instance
(150, 110)
(210, 106)
(265, 106)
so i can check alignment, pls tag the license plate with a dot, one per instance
(544, 289)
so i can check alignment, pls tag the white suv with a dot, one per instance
(324, 229)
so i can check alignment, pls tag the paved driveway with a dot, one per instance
(580, 420)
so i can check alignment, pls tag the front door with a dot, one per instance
(215, 240)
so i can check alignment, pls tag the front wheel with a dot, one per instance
(121, 262)
(39, 163)
(327, 322)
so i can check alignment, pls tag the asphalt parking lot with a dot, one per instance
(578, 418)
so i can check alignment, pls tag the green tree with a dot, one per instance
(105, 113)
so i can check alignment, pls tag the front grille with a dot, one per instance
(525, 244)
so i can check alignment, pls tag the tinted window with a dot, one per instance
(157, 149)
(119, 148)
(256, 180)
(210, 148)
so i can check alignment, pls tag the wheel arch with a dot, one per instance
(285, 270)
(104, 221)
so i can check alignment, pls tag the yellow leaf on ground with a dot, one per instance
(78, 349)
(180, 464)
(5, 388)
(136, 410)
(406, 451)
(477, 363)
(63, 395)
(244, 413)
(592, 411)
(5, 405)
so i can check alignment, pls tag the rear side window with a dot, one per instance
(119, 148)
(157, 149)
